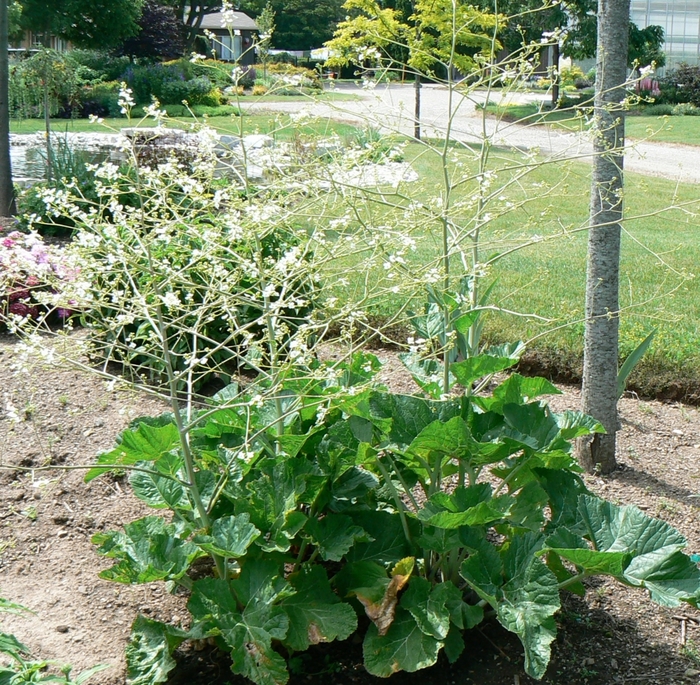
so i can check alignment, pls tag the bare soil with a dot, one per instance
(47, 562)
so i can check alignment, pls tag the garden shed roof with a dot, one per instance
(241, 21)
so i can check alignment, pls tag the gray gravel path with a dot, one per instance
(391, 107)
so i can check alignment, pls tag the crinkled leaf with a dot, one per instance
(657, 564)
(453, 644)
(474, 368)
(452, 438)
(156, 490)
(149, 652)
(315, 612)
(575, 424)
(272, 505)
(575, 549)
(532, 424)
(482, 571)
(230, 536)
(563, 489)
(408, 415)
(405, 647)
(334, 535)
(244, 613)
(352, 489)
(516, 389)
(528, 508)
(148, 550)
(144, 443)
(529, 600)
(362, 577)
(428, 606)
(388, 540)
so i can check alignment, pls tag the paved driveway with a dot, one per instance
(391, 108)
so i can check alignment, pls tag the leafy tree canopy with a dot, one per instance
(429, 33)
(85, 23)
(300, 24)
(160, 35)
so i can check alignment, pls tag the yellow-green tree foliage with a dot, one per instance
(438, 32)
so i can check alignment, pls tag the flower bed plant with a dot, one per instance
(31, 274)
(407, 519)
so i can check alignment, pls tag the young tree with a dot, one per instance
(85, 23)
(7, 194)
(266, 24)
(600, 365)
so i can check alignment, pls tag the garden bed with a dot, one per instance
(64, 417)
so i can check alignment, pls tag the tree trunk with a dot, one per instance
(7, 192)
(554, 66)
(600, 365)
(416, 110)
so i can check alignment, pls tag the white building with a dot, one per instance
(680, 20)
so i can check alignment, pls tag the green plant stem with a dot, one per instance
(573, 580)
(271, 342)
(400, 506)
(404, 485)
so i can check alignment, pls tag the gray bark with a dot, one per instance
(7, 192)
(600, 364)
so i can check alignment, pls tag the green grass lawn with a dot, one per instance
(670, 129)
(277, 125)
(547, 279)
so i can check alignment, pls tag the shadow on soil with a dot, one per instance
(592, 648)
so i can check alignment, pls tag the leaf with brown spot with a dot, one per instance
(382, 613)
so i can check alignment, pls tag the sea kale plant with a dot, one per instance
(304, 502)
(425, 517)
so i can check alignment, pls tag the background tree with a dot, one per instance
(85, 23)
(7, 193)
(266, 24)
(600, 355)
(645, 46)
(189, 14)
(438, 35)
(301, 24)
(160, 35)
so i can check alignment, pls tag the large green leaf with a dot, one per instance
(334, 535)
(144, 443)
(149, 652)
(160, 491)
(388, 542)
(452, 438)
(428, 606)
(405, 647)
(516, 389)
(474, 368)
(362, 578)
(409, 415)
(529, 600)
(657, 563)
(315, 612)
(427, 373)
(230, 536)
(244, 612)
(272, 505)
(147, 550)
(472, 506)
(575, 424)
